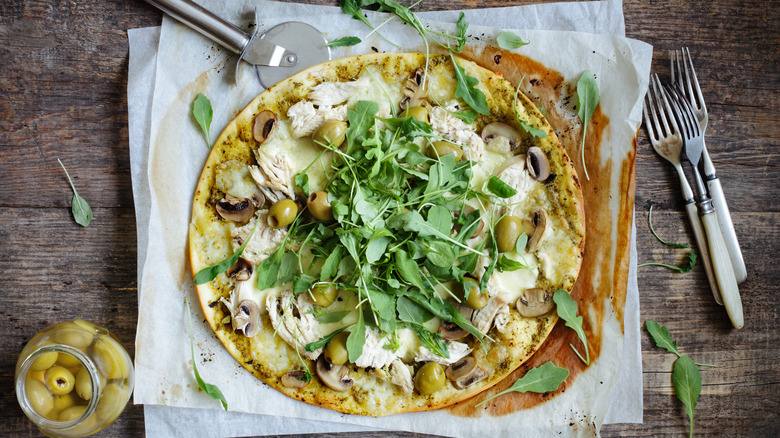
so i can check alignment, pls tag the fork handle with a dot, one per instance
(704, 248)
(724, 272)
(727, 228)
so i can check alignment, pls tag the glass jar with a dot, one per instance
(73, 379)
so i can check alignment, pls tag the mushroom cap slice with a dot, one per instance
(537, 164)
(535, 302)
(460, 368)
(540, 222)
(499, 129)
(241, 271)
(451, 331)
(335, 377)
(264, 126)
(414, 92)
(294, 379)
(477, 374)
(247, 318)
(235, 209)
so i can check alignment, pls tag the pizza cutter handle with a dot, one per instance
(205, 22)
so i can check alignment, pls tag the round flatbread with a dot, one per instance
(415, 245)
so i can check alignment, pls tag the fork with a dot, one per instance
(665, 137)
(686, 79)
(721, 263)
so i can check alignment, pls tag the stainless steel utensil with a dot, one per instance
(721, 263)
(665, 137)
(686, 80)
(304, 46)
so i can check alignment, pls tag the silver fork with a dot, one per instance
(687, 81)
(665, 137)
(721, 263)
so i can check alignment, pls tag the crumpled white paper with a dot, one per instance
(167, 153)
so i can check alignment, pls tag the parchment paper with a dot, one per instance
(167, 153)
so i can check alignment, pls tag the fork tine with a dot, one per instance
(673, 106)
(674, 59)
(666, 115)
(699, 101)
(686, 115)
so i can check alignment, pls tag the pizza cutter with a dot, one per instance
(284, 50)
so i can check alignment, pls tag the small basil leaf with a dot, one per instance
(344, 42)
(500, 188)
(207, 274)
(82, 212)
(201, 110)
(509, 41)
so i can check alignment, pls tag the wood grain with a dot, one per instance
(63, 78)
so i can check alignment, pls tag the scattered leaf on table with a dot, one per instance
(201, 110)
(82, 213)
(588, 94)
(509, 41)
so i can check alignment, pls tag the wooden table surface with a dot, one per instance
(63, 79)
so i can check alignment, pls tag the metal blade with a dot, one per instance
(259, 51)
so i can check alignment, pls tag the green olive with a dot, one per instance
(319, 206)
(442, 148)
(429, 378)
(68, 361)
(108, 355)
(471, 294)
(110, 403)
(282, 213)
(84, 384)
(75, 336)
(62, 402)
(336, 351)
(44, 361)
(59, 380)
(418, 112)
(71, 413)
(508, 230)
(323, 294)
(332, 133)
(40, 398)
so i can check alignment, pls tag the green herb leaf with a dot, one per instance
(567, 310)
(467, 116)
(331, 265)
(662, 337)
(344, 42)
(82, 213)
(652, 230)
(687, 385)
(332, 317)
(410, 311)
(509, 41)
(507, 264)
(588, 95)
(539, 133)
(544, 378)
(521, 243)
(692, 257)
(302, 182)
(408, 269)
(268, 270)
(311, 346)
(431, 341)
(356, 339)
(500, 188)
(201, 110)
(207, 274)
(211, 390)
(466, 90)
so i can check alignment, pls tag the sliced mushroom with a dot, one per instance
(335, 377)
(247, 318)
(241, 271)
(476, 375)
(294, 379)
(265, 125)
(451, 331)
(535, 302)
(460, 368)
(414, 92)
(537, 164)
(498, 129)
(235, 209)
(540, 223)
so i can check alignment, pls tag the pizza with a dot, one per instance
(384, 233)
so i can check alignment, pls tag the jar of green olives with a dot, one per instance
(73, 379)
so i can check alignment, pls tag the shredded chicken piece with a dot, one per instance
(457, 131)
(273, 173)
(374, 354)
(483, 318)
(517, 177)
(501, 321)
(241, 292)
(305, 118)
(458, 351)
(401, 376)
(264, 239)
(299, 330)
(335, 93)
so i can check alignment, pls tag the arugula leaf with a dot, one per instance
(538, 133)
(205, 275)
(431, 341)
(268, 270)
(409, 127)
(652, 230)
(332, 317)
(509, 41)
(350, 7)
(466, 90)
(344, 42)
(210, 390)
(407, 268)
(82, 212)
(662, 337)
(500, 188)
(507, 264)
(302, 182)
(588, 95)
(544, 378)
(467, 116)
(201, 110)
(303, 282)
(312, 346)
(567, 310)
(521, 243)
(440, 253)
(376, 249)
(692, 257)
(331, 265)
(687, 385)
(361, 119)
(410, 311)
(356, 339)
